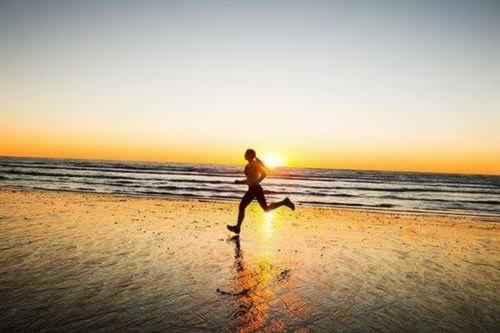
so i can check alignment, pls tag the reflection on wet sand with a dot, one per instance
(253, 292)
(81, 262)
(263, 294)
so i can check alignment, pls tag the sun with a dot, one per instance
(272, 160)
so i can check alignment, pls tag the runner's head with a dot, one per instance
(250, 155)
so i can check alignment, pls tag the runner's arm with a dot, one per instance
(263, 174)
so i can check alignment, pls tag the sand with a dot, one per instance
(78, 262)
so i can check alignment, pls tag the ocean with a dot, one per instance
(401, 191)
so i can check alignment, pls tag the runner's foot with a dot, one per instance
(289, 203)
(234, 228)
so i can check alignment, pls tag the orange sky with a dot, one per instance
(438, 158)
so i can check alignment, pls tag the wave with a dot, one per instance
(126, 168)
(162, 193)
(132, 180)
(222, 189)
(295, 175)
(406, 189)
(49, 174)
(343, 204)
(85, 189)
(345, 188)
(480, 201)
(378, 189)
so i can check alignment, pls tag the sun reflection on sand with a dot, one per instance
(251, 287)
(261, 290)
(163, 264)
(268, 225)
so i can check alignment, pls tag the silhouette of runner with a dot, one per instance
(255, 172)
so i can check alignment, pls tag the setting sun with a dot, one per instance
(272, 160)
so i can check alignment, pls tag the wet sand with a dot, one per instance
(79, 262)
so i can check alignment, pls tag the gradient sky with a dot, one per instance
(394, 85)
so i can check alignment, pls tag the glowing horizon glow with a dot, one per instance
(273, 160)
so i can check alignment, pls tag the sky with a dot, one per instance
(381, 85)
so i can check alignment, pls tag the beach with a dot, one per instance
(86, 261)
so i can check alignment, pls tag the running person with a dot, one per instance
(255, 172)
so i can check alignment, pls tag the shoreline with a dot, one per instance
(484, 217)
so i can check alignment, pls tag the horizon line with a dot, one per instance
(230, 164)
